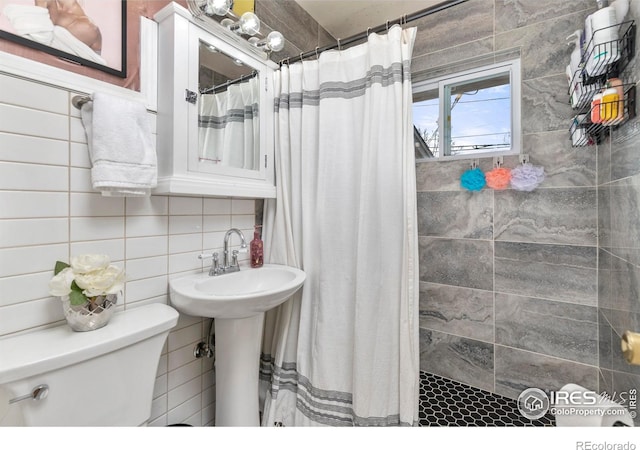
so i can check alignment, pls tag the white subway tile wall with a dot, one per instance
(49, 211)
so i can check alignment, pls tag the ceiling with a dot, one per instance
(344, 18)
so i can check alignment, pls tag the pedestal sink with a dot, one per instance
(237, 301)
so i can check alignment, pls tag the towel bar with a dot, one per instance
(80, 100)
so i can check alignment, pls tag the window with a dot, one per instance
(471, 114)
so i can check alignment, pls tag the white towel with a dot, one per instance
(121, 148)
(32, 22)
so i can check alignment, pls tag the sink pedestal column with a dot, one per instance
(238, 344)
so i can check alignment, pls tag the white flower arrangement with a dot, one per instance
(86, 278)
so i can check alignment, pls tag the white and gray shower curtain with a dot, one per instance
(229, 126)
(344, 350)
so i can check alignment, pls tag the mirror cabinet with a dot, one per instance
(215, 110)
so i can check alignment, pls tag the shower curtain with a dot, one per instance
(344, 350)
(228, 125)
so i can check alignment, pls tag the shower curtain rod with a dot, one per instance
(365, 34)
(230, 82)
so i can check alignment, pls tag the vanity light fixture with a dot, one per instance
(274, 42)
(248, 24)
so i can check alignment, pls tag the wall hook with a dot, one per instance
(498, 161)
(524, 158)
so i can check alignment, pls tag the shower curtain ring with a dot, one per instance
(301, 56)
(387, 26)
(317, 56)
(339, 47)
(368, 31)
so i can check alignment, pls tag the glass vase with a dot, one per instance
(92, 315)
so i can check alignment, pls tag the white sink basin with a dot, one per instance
(237, 301)
(235, 295)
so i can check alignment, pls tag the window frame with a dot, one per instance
(513, 68)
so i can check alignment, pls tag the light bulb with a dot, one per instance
(217, 7)
(249, 23)
(275, 41)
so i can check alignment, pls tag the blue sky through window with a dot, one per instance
(480, 120)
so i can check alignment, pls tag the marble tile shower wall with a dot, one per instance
(619, 245)
(509, 280)
(49, 212)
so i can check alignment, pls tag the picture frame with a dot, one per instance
(91, 33)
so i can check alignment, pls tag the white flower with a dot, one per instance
(89, 263)
(110, 280)
(87, 276)
(60, 285)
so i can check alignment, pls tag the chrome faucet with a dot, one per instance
(217, 269)
(233, 267)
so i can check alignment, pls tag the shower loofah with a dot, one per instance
(473, 179)
(498, 178)
(526, 177)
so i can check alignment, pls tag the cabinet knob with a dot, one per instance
(630, 346)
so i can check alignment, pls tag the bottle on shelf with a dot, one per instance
(574, 70)
(609, 106)
(579, 137)
(257, 248)
(595, 108)
(616, 84)
(601, 35)
(622, 8)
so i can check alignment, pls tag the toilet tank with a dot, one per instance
(103, 377)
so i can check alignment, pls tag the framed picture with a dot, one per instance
(87, 32)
